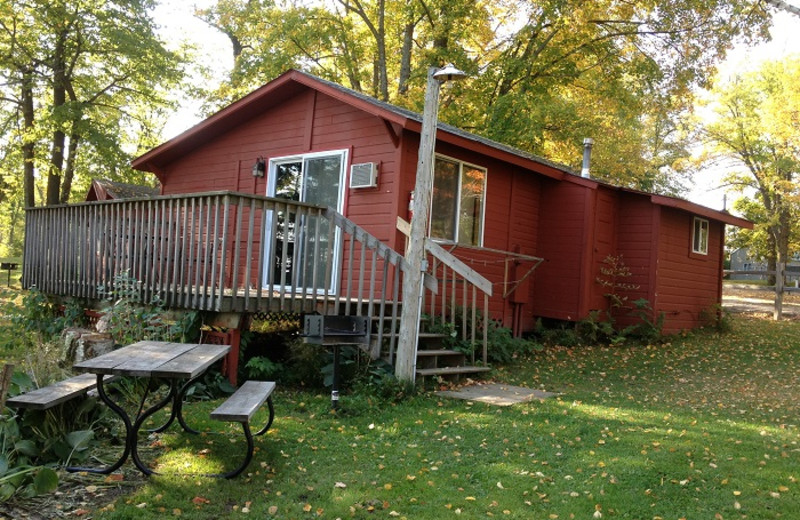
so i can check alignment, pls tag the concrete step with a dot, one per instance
(451, 371)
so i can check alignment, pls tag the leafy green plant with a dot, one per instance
(263, 368)
(19, 474)
(379, 382)
(717, 318)
(650, 325)
(501, 344)
(33, 442)
(130, 319)
(29, 319)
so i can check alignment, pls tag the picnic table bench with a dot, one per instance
(240, 407)
(49, 396)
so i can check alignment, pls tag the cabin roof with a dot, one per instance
(285, 87)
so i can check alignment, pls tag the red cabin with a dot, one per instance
(294, 199)
(494, 207)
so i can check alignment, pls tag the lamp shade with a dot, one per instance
(449, 72)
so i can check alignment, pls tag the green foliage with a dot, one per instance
(602, 327)
(33, 442)
(18, 473)
(544, 75)
(129, 319)
(95, 76)
(753, 125)
(717, 318)
(502, 346)
(261, 367)
(379, 382)
(32, 319)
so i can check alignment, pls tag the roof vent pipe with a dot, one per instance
(587, 155)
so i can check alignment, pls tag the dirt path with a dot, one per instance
(758, 299)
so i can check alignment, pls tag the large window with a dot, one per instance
(457, 202)
(700, 236)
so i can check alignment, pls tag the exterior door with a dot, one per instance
(314, 179)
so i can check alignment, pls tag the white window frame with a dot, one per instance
(700, 243)
(461, 164)
(270, 192)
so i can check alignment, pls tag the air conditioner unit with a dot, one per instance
(364, 175)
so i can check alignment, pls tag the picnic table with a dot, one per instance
(179, 365)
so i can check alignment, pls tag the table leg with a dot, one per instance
(178, 396)
(174, 412)
(133, 437)
(101, 391)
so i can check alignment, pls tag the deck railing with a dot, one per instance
(225, 252)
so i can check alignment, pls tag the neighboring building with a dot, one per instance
(742, 261)
(494, 207)
(104, 189)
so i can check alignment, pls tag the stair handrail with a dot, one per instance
(471, 278)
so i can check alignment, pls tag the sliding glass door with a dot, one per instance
(301, 254)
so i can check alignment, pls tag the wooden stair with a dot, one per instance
(433, 360)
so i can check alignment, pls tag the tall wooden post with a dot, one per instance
(405, 366)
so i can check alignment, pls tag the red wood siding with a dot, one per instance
(562, 244)
(605, 244)
(523, 236)
(637, 242)
(688, 284)
(307, 122)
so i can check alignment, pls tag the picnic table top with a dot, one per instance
(156, 359)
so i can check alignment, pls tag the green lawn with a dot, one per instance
(703, 427)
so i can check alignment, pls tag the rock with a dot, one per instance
(80, 344)
(94, 345)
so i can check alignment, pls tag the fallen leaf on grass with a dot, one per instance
(200, 500)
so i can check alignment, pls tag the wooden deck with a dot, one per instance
(235, 252)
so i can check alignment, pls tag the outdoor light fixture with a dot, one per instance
(260, 167)
(448, 73)
(413, 279)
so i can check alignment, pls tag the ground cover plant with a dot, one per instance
(705, 426)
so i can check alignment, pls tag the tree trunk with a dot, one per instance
(405, 55)
(59, 137)
(28, 146)
(383, 75)
(69, 171)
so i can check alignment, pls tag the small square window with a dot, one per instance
(700, 236)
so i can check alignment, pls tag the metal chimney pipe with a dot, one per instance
(587, 156)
